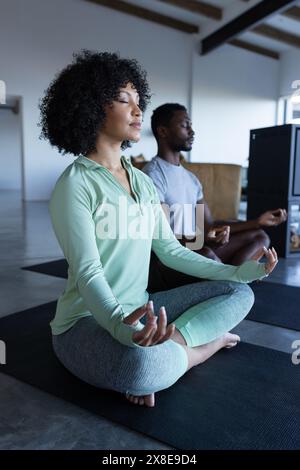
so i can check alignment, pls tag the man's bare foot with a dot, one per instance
(230, 340)
(147, 400)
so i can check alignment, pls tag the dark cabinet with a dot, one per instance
(274, 181)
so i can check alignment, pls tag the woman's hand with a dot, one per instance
(154, 332)
(272, 258)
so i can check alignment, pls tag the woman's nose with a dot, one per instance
(137, 111)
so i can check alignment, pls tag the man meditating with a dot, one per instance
(228, 241)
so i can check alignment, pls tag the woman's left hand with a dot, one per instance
(272, 258)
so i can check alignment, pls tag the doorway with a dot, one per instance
(11, 145)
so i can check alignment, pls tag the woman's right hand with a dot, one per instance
(271, 256)
(154, 332)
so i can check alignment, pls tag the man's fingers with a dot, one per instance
(221, 237)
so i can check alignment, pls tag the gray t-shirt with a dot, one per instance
(180, 189)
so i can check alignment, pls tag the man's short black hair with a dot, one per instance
(163, 114)
(72, 110)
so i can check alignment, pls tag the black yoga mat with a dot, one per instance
(58, 268)
(243, 398)
(276, 304)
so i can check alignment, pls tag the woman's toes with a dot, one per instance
(231, 345)
(234, 338)
(231, 340)
(149, 400)
(129, 397)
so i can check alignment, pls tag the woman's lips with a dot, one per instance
(136, 126)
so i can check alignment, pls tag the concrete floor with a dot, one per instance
(32, 419)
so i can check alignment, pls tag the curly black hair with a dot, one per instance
(73, 108)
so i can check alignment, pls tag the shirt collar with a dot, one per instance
(92, 165)
(165, 162)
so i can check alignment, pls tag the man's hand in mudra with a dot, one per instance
(272, 218)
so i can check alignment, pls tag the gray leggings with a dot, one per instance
(202, 312)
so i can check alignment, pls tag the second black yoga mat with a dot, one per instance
(276, 304)
(243, 398)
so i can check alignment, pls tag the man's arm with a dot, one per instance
(173, 255)
(238, 226)
(267, 219)
(235, 226)
(213, 235)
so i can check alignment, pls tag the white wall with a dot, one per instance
(10, 150)
(37, 39)
(233, 91)
(289, 71)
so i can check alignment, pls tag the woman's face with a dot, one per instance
(124, 117)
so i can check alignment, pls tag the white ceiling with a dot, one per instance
(231, 9)
(173, 12)
(264, 42)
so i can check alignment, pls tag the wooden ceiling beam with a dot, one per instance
(293, 13)
(254, 48)
(278, 34)
(244, 22)
(202, 8)
(148, 15)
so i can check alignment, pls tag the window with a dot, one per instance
(288, 108)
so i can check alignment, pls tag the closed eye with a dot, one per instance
(127, 102)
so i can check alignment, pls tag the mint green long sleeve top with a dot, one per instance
(108, 247)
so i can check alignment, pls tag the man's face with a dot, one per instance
(180, 134)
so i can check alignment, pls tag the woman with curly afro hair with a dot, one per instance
(107, 217)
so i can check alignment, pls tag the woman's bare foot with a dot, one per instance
(230, 340)
(147, 400)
